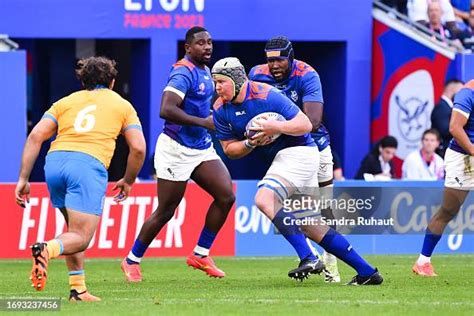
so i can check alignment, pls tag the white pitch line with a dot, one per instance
(243, 258)
(313, 301)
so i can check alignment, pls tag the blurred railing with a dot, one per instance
(422, 30)
(7, 44)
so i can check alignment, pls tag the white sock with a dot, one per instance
(201, 251)
(423, 259)
(329, 258)
(134, 258)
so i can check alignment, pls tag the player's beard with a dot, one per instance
(204, 60)
(284, 75)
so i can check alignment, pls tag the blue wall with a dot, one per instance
(13, 109)
(348, 22)
(465, 67)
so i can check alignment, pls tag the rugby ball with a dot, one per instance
(254, 122)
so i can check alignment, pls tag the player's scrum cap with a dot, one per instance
(231, 68)
(279, 47)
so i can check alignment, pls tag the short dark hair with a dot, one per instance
(388, 141)
(433, 131)
(452, 81)
(96, 71)
(194, 30)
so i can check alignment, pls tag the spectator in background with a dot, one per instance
(418, 11)
(461, 9)
(435, 22)
(441, 114)
(424, 164)
(378, 165)
(467, 36)
(399, 5)
(337, 171)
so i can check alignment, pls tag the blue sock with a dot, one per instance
(77, 272)
(335, 243)
(138, 250)
(205, 242)
(293, 234)
(430, 242)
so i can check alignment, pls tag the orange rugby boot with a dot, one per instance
(424, 269)
(205, 264)
(40, 255)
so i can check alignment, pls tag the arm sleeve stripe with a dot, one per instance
(465, 114)
(136, 126)
(178, 92)
(49, 116)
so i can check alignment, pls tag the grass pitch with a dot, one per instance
(254, 286)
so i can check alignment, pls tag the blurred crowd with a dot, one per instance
(425, 163)
(450, 19)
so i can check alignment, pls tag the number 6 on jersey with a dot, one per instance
(85, 121)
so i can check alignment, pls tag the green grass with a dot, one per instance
(255, 286)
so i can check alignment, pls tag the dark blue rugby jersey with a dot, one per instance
(303, 85)
(231, 119)
(463, 103)
(196, 87)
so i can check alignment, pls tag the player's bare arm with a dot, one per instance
(137, 151)
(44, 130)
(456, 128)
(314, 111)
(235, 149)
(171, 110)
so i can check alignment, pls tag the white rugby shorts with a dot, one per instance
(326, 163)
(176, 162)
(298, 166)
(459, 170)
